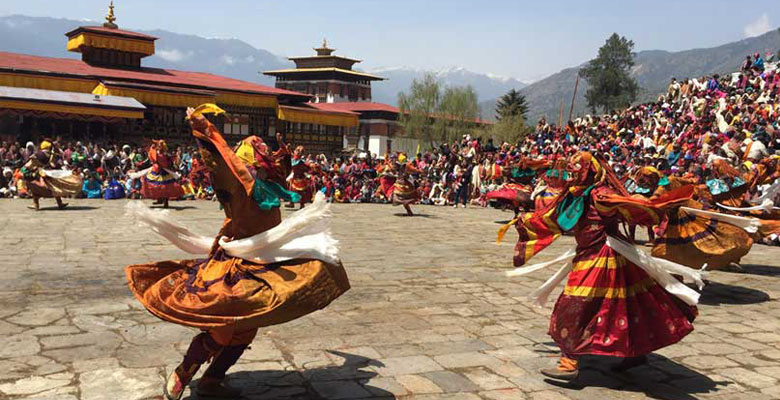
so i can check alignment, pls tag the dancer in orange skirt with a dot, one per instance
(258, 271)
(617, 301)
(404, 191)
(159, 182)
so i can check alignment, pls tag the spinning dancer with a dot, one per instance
(300, 180)
(404, 191)
(617, 301)
(258, 271)
(159, 182)
(43, 182)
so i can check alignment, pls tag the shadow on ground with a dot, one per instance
(660, 378)
(414, 216)
(69, 208)
(175, 208)
(716, 293)
(347, 381)
(762, 270)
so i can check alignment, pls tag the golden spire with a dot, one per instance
(110, 18)
(324, 43)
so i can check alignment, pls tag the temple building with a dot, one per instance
(336, 87)
(109, 95)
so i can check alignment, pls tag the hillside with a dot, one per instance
(653, 70)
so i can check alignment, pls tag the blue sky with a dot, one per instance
(525, 40)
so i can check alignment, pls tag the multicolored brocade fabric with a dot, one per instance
(609, 306)
(693, 241)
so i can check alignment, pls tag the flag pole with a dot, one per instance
(574, 96)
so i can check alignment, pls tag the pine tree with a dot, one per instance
(511, 104)
(610, 84)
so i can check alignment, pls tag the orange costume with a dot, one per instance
(230, 297)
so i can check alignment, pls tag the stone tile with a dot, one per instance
(548, 395)
(406, 365)
(130, 384)
(709, 362)
(504, 394)
(36, 384)
(746, 377)
(18, 346)
(451, 382)
(462, 360)
(486, 379)
(106, 339)
(417, 384)
(37, 317)
(385, 386)
(52, 330)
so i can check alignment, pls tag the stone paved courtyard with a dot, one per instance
(430, 316)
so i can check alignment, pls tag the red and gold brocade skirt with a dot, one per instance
(510, 194)
(404, 192)
(387, 186)
(215, 292)
(612, 307)
(695, 240)
(160, 184)
(545, 198)
(303, 187)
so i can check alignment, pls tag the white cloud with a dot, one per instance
(173, 55)
(758, 27)
(227, 59)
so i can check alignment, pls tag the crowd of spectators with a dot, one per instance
(698, 120)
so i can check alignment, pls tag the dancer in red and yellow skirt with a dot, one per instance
(387, 176)
(617, 301)
(258, 271)
(300, 179)
(404, 191)
(159, 182)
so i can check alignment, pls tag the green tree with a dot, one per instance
(418, 105)
(433, 113)
(511, 104)
(509, 129)
(456, 112)
(610, 84)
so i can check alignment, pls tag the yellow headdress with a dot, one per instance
(46, 145)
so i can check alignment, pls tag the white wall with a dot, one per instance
(377, 145)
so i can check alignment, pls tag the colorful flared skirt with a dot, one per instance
(511, 194)
(160, 185)
(302, 186)
(217, 292)
(612, 307)
(404, 192)
(55, 187)
(693, 241)
(387, 186)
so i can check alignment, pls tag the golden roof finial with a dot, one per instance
(110, 18)
(324, 43)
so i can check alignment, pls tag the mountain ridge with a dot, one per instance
(231, 57)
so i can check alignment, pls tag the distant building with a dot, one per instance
(128, 102)
(336, 87)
